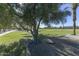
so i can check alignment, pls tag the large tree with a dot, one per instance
(31, 15)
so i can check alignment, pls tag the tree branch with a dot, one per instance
(22, 26)
(39, 23)
(12, 10)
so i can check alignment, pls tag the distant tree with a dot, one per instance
(63, 22)
(73, 12)
(74, 7)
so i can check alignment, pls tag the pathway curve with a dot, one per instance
(7, 32)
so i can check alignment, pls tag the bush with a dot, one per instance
(14, 49)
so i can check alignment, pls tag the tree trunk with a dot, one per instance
(35, 35)
(35, 29)
(74, 26)
(74, 20)
(63, 26)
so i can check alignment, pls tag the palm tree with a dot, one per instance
(74, 7)
(73, 12)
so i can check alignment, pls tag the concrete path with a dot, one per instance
(71, 37)
(66, 47)
(63, 47)
(7, 32)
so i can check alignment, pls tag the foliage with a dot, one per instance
(73, 14)
(5, 16)
(14, 49)
(31, 15)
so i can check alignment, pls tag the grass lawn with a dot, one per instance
(57, 32)
(16, 36)
(12, 37)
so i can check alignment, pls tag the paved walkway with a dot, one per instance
(7, 32)
(73, 36)
(62, 47)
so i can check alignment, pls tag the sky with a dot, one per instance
(69, 18)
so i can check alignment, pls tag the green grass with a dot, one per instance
(12, 37)
(16, 36)
(57, 32)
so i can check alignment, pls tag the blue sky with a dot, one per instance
(69, 18)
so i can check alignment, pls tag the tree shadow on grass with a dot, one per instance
(64, 46)
(41, 47)
(61, 47)
(28, 36)
(13, 49)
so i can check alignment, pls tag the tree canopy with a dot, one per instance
(31, 15)
(5, 16)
